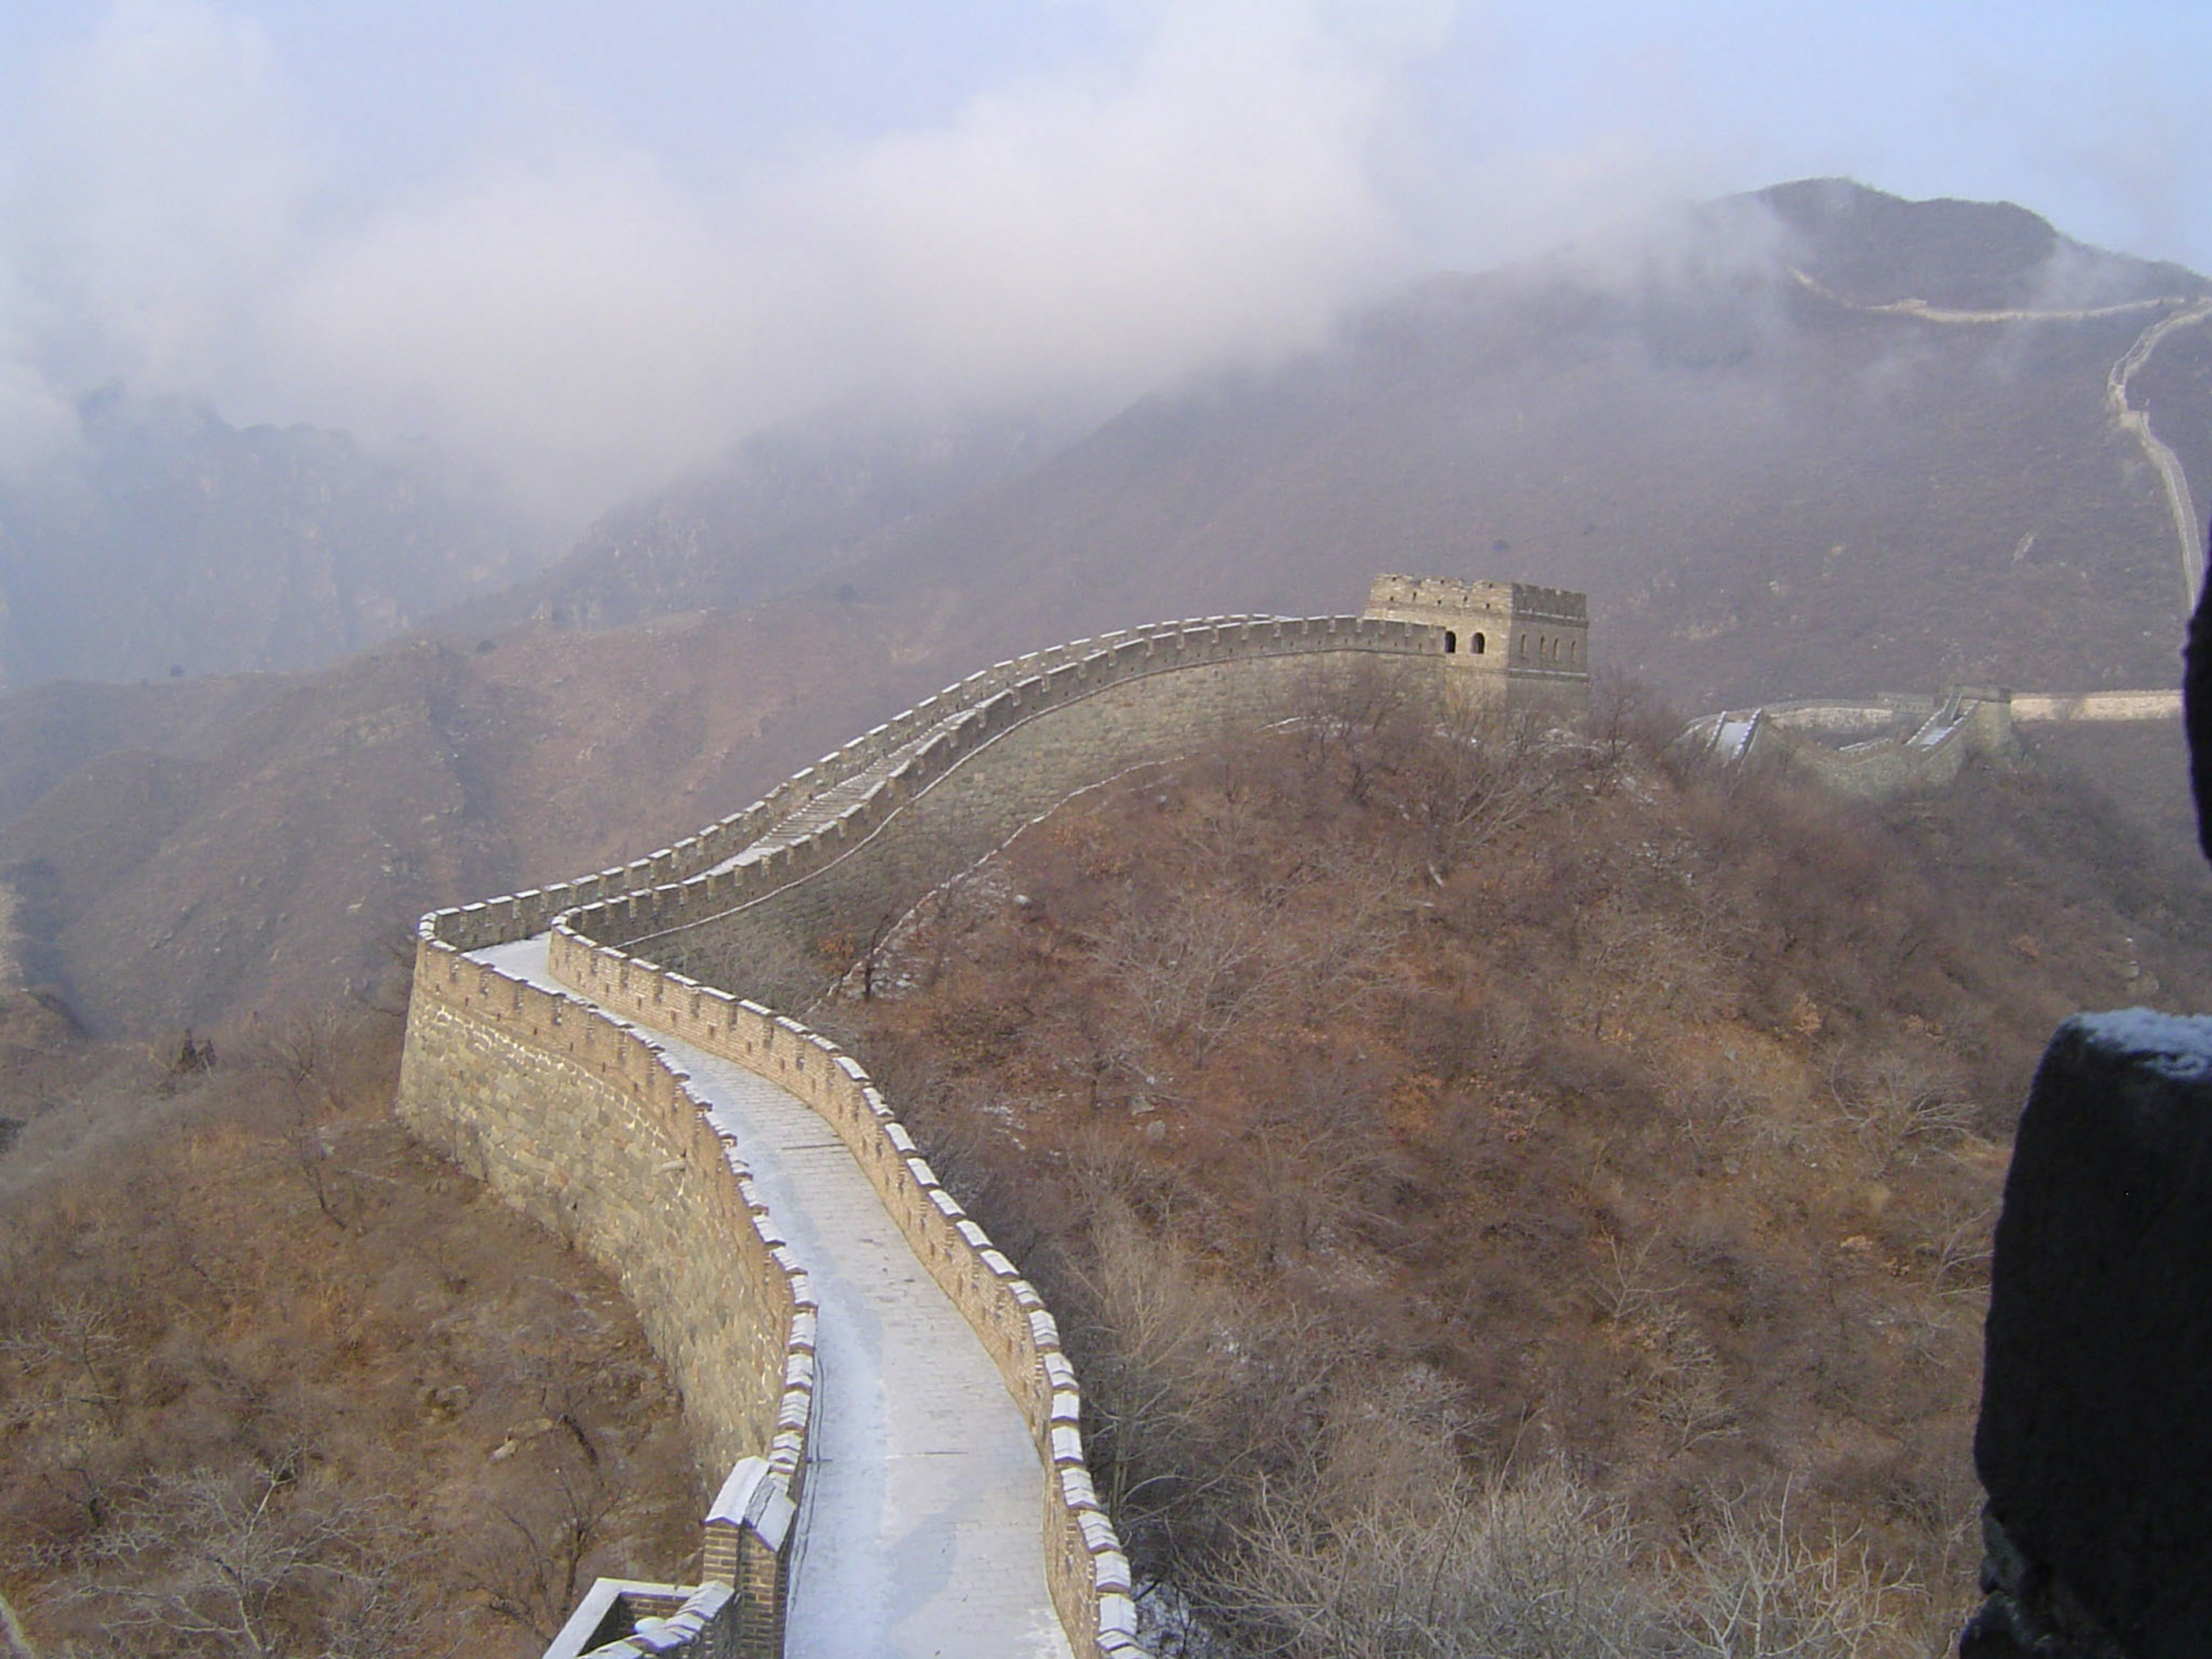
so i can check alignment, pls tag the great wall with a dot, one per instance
(901, 1425)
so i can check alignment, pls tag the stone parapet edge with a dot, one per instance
(1010, 695)
(978, 708)
(1087, 1573)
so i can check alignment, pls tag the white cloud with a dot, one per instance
(157, 198)
(566, 313)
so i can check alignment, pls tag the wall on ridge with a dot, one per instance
(1040, 745)
(579, 1121)
(961, 816)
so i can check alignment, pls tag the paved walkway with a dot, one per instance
(834, 802)
(920, 1532)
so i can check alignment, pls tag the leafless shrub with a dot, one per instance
(1750, 1587)
(1475, 777)
(1196, 1397)
(532, 1571)
(1685, 1387)
(1195, 971)
(263, 1562)
(1531, 1564)
(1349, 720)
(1899, 1104)
(1630, 1287)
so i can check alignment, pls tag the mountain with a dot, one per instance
(183, 853)
(782, 510)
(1773, 439)
(1780, 443)
(171, 542)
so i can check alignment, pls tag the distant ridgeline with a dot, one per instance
(544, 1032)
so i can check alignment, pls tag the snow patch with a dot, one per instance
(2176, 1046)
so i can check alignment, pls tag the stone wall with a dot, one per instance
(583, 1123)
(1010, 755)
(1088, 1575)
(1963, 722)
(1033, 756)
(585, 1127)
(2096, 706)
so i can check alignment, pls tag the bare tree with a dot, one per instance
(530, 1576)
(261, 1562)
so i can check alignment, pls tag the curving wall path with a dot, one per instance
(902, 1426)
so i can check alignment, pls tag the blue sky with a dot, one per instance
(577, 243)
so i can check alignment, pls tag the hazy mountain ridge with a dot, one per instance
(1765, 491)
(170, 539)
(183, 853)
(782, 511)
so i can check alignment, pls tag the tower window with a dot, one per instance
(1451, 642)
(1474, 644)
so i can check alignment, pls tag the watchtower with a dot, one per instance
(1506, 643)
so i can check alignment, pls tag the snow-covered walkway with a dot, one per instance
(920, 1529)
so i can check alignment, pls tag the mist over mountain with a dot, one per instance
(165, 539)
(1773, 472)
(784, 509)
(1771, 438)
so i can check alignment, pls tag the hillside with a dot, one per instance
(1778, 439)
(784, 510)
(1767, 486)
(1642, 1127)
(276, 1379)
(184, 854)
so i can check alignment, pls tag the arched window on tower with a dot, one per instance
(1451, 642)
(1475, 643)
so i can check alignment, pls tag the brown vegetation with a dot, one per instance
(276, 1380)
(1485, 1172)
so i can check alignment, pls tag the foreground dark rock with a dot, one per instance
(2094, 1446)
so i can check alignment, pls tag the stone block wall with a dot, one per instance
(1963, 722)
(1009, 757)
(1087, 1572)
(583, 1123)
(587, 1128)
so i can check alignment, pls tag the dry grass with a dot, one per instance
(1649, 1127)
(275, 1380)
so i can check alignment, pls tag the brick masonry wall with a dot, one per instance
(1088, 1575)
(983, 797)
(585, 1127)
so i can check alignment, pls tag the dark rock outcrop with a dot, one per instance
(2094, 1444)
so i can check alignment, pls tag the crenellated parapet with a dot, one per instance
(547, 1079)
